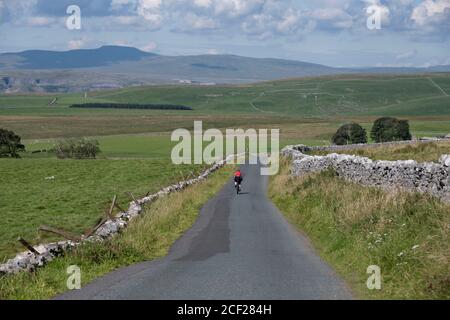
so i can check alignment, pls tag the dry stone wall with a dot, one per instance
(427, 177)
(336, 148)
(29, 261)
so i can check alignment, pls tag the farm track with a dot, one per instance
(439, 87)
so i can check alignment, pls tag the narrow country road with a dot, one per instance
(241, 247)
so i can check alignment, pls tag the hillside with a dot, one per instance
(73, 59)
(325, 97)
(330, 96)
(118, 67)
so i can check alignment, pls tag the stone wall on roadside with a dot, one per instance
(348, 147)
(428, 177)
(29, 261)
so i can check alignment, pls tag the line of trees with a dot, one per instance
(131, 106)
(11, 146)
(384, 129)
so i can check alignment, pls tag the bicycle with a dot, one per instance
(237, 187)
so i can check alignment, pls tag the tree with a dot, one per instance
(403, 130)
(350, 133)
(390, 129)
(10, 144)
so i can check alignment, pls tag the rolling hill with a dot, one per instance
(118, 67)
(73, 59)
(325, 96)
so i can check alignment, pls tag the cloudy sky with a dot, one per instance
(332, 32)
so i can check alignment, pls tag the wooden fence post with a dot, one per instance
(27, 245)
(65, 234)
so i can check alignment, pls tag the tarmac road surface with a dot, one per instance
(241, 247)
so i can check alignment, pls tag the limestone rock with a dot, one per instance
(445, 160)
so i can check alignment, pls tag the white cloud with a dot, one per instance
(407, 55)
(203, 3)
(212, 51)
(75, 44)
(259, 19)
(393, 65)
(196, 22)
(150, 10)
(437, 62)
(429, 12)
(127, 20)
(150, 47)
(289, 21)
(150, 4)
(333, 18)
(122, 42)
(117, 4)
(40, 21)
(237, 8)
(16, 11)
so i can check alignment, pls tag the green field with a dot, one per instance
(136, 144)
(148, 237)
(320, 97)
(333, 100)
(76, 197)
(132, 146)
(310, 97)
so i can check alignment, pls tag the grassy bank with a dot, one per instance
(420, 152)
(407, 235)
(148, 237)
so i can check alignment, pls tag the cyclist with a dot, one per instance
(238, 178)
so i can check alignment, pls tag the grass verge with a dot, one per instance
(406, 234)
(148, 237)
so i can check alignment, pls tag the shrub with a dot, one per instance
(77, 149)
(350, 133)
(10, 144)
(390, 129)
